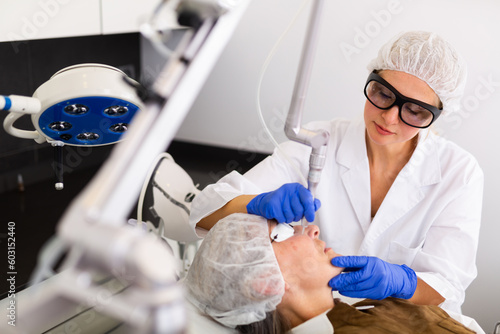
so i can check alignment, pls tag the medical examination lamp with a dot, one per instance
(80, 105)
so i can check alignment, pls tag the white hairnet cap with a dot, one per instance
(431, 59)
(235, 277)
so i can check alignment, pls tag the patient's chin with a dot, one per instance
(335, 270)
(331, 253)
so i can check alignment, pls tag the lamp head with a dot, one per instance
(80, 105)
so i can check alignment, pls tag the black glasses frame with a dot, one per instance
(401, 100)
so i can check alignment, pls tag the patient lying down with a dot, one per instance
(245, 280)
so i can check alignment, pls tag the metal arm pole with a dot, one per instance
(318, 140)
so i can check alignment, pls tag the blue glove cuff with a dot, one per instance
(409, 285)
(253, 206)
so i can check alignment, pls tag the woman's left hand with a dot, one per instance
(371, 277)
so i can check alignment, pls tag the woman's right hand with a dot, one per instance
(287, 204)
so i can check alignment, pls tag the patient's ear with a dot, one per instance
(265, 286)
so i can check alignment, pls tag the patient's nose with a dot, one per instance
(312, 231)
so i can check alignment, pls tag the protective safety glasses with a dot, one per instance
(412, 112)
(281, 232)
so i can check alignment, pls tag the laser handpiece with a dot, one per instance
(316, 163)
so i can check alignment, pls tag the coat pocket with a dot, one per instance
(399, 254)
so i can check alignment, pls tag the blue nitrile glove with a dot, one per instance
(287, 204)
(371, 277)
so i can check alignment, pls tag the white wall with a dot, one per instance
(225, 112)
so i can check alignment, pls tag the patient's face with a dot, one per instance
(304, 259)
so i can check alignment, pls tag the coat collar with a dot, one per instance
(423, 169)
(352, 149)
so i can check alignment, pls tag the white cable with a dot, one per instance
(150, 32)
(261, 77)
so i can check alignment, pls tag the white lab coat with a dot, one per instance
(429, 219)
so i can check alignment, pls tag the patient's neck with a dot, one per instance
(300, 305)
